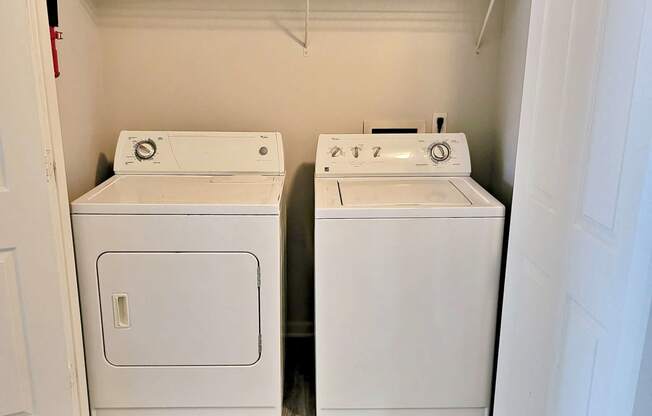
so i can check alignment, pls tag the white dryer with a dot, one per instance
(407, 267)
(179, 259)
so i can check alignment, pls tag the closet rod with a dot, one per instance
(478, 44)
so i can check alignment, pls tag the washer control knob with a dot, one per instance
(336, 151)
(376, 150)
(356, 151)
(145, 149)
(440, 152)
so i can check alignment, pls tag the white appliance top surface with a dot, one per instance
(397, 192)
(403, 197)
(198, 153)
(363, 155)
(183, 194)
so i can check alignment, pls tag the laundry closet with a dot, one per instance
(300, 68)
(228, 138)
(227, 65)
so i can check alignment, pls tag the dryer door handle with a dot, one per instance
(121, 310)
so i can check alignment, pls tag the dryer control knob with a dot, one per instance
(439, 152)
(145, 149)
(356, 151)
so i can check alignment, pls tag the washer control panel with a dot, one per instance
(199, 153)
(433, 154)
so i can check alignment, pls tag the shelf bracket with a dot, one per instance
(306, 28)
(478, 44)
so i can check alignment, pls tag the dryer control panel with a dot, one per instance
(198, 153)
(445, 154)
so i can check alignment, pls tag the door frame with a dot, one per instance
(58, 197)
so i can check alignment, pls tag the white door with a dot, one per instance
(579, 276)
(41, 369)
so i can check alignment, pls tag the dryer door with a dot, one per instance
(179, 308)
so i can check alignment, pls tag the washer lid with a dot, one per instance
(403, 197)
(181, 194)
(392, 192)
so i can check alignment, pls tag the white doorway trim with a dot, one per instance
(53, 156)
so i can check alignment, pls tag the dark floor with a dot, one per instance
(299, 389)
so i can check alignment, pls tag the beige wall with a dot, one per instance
(516, 18)
(239, 65)
(79, 91)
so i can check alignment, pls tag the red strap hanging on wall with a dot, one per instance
(53, 18)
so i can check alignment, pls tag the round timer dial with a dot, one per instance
(145, 149)
(440, 152)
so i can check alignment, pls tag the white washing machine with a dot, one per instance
(407, 267)
(179, 259)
